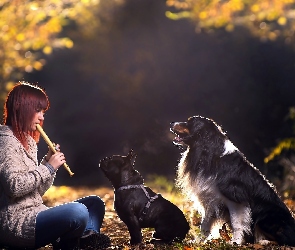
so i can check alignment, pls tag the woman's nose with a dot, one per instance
(41, 116)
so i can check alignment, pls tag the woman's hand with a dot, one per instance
(55, 159)
(50, 152)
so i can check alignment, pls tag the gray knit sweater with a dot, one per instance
(22, 185)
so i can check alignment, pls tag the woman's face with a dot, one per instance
(37, 118)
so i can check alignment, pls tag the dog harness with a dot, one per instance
(150, 199)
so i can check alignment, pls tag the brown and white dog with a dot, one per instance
(226, 188)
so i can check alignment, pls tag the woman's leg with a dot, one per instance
(96, 209)
(92, 237)
(67, 222)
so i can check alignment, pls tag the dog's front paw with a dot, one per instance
(138, 246)
(160, 242)
(267, 242)
(237, 240)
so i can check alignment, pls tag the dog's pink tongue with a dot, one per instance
(177, 139)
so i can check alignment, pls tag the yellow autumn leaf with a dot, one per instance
(38, 65)
(282, 21)
(20, 37)
(47, 50)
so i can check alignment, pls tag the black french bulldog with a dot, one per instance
(138, 206)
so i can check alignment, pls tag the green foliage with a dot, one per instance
(285, 144)
(267, 19)
(30, 29)
(161, 183)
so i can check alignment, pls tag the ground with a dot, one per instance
(118, 233)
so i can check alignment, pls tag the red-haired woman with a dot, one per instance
(25, 222)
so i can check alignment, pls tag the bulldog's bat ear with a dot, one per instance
(131, 154)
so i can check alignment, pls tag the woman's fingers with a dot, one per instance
(57, 159)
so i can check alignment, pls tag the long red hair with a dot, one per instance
(21, 104)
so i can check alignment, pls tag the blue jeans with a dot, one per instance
(69, 221)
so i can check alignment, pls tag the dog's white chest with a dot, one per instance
(199, 189)
(205, 195)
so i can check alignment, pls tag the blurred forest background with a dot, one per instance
(117, 72)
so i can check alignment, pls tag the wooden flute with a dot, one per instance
(50, 144)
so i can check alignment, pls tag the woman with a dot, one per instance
(25, 222)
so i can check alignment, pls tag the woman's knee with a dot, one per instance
(70, 218)
(99, 202)
(78, 212)
(93, 202)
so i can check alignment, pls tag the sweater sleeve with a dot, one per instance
(19, 175)
(45, 186)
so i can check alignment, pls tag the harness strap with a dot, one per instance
(129, 187)
(150, 199)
